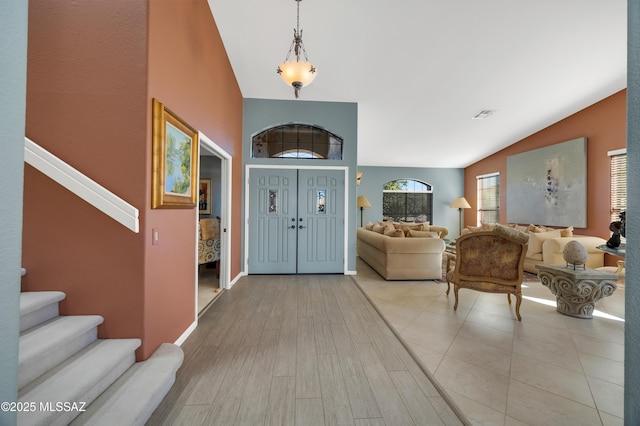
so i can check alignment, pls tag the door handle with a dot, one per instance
(292, 227)
(301, 227)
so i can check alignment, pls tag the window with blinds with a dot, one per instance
(618, 162)
(488, 187)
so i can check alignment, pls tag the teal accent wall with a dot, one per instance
(447, 185)
(340, 118)
(632, 261)
(13, 86)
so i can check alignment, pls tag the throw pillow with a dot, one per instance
(369, 226)
(417, 227)
(567, 232)
(378, 228)
(537, 238)
(392, 232)
(422, 234)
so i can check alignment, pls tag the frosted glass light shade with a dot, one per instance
(297, 72)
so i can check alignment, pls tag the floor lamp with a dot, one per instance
(363, 203)
(460, 203)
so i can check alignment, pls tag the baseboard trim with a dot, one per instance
(186, 334)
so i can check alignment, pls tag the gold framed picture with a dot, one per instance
(175, 161)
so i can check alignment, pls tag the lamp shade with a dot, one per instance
(460, 203)
(363, 202)
(297, 72)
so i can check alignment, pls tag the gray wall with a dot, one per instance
(337, 117)
(632, 291)
(13, 63)
(447, 185)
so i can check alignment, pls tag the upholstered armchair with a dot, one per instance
(209, 241)
(490, 261)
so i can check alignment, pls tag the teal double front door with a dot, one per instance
(296, 221)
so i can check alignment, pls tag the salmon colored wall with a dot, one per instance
(604, 126)
(86, 103)
(93, 69)
(190, 73)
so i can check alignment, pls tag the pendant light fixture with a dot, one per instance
(294, 72)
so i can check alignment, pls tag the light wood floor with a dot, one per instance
(298, 350)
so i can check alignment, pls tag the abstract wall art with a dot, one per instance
(548, 186)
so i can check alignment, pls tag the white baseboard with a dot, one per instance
(351, 273)
(186, 333)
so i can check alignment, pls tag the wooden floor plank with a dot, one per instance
(389, 401)
(307, 379)
(337, 410)
(361, 398)
(309, 412)
(417, 403)
(282, 402)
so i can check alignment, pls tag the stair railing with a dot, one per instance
(81, 185)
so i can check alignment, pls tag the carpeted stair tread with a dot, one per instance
(79, 379)
(38, 306)
(132, 399)
(48, 344)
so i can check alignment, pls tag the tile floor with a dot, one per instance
(548, 369)
(208, 287)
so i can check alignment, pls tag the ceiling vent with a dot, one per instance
(485, 113)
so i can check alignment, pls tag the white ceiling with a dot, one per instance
(420, 69)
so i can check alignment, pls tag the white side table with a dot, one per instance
(577, 290)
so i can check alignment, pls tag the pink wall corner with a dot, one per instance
(604, 126)
(86, 103)
(190, 73)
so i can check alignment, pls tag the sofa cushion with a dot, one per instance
(369, 226)
(537, 238)
(392, 232)
(422, 234)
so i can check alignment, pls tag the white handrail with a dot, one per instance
(85, 188)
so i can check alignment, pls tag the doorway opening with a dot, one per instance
(212, 223)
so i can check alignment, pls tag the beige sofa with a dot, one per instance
(406, 258)
(551, 251)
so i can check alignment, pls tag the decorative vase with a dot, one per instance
(574, 253)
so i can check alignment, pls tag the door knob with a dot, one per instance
(301, 227)
(292, 227)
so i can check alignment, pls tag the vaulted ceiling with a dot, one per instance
(419, 70)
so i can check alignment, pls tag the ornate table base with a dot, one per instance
(577, 290)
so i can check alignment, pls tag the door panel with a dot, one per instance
(296, 222)
(321, 210)
(272, 241)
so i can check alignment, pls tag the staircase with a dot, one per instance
(69, 376)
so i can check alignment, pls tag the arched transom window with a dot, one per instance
(407, 200)
(297, 141)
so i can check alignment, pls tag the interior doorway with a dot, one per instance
(212, 223)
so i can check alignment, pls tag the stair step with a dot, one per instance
(79, 379)
(38, 306)
(133, 398)
(47, 345)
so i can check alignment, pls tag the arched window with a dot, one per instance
(297, 141)
(407, 200)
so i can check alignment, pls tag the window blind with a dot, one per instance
(488, 188)
(618, 185)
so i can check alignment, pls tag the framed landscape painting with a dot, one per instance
(175, 160)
